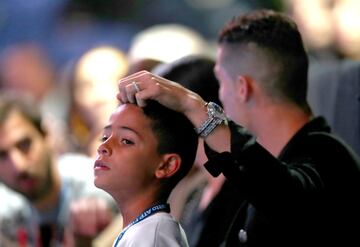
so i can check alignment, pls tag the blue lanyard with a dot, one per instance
(148, 212)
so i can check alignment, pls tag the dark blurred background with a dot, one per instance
(69, 27)
(69, 54)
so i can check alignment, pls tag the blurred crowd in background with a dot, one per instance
(66, 52)
(67, 28)
(69, 54)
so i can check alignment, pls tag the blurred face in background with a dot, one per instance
(94, 91)
(26, 68)
(96, 76)
(329, 23)
(25, 163)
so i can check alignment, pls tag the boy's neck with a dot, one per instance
(130, 211)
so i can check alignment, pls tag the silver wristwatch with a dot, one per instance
(216, 117)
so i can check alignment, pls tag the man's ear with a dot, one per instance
(243, 87)
(169, 166)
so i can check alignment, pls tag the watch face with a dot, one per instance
(215, 110)
(216, 117)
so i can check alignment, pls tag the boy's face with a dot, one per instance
(24, 157)
(128, 156)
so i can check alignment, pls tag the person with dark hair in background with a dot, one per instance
(39, 188)
(144, 153)
(209, 203)
(195, 72)
(26, 67)
(300, 181)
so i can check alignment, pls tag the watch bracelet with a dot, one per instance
(204, 125)
(210, 127)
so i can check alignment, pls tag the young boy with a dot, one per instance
(144, 154)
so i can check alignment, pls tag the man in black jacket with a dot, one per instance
(300, 181)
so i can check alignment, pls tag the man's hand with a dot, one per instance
(143, 85)
(88, 217)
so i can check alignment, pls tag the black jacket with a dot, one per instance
(209, 227)
(308, 196)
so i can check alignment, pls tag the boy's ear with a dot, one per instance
(170, 165)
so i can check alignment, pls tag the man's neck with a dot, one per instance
(275, 126)
(52, 196)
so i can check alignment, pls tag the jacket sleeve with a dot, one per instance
(261, 178)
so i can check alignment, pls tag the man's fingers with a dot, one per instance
(129, 86)
(124, 87)
(131, 89)
(122, 96)
(143, 85)
(140, 102)
(132, 76)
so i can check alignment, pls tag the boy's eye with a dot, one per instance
(103, 138)
(127, 142)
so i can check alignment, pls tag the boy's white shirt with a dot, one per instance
(160, 230)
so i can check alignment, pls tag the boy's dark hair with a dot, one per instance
(279, 36)
(24, 104)
(175, 134)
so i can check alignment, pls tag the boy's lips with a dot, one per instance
(99, 165)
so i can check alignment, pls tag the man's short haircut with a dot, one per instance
(175, 134)
(25, 105)
(281, 40)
